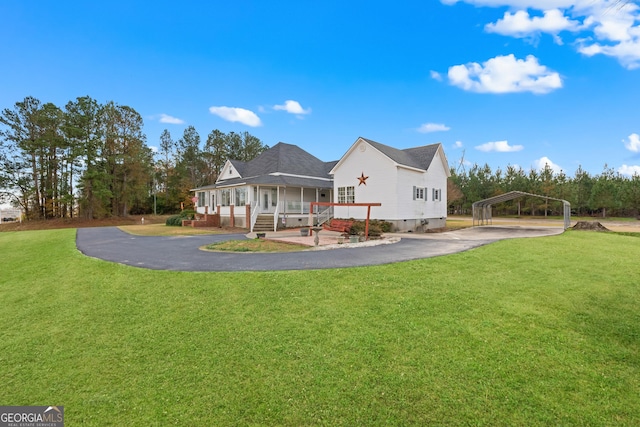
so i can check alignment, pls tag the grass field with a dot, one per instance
(542, 331)
(255, 245)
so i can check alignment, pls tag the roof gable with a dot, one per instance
(231, 169)
(416, 158)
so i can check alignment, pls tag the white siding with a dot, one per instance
(380, 184)
(228, 172)
(437, 177)
(408, 207)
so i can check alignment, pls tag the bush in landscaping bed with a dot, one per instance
(376, 228)
(175, 220)
(188, 214)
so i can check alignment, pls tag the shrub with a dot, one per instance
(376, 228)
(385, 226)
(188, 214)
(175, 220)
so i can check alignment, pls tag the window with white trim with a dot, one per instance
(419, 193)
(201, 199)
(225, 197)
(437, 194)
(346, 194)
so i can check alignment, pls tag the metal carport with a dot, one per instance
(482, 209)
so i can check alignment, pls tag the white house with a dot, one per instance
(411, 184)
(275, 189)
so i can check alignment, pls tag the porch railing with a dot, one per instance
(254, 215)
(324, 216)
(295, 207)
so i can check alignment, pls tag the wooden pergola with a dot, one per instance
(367, 205)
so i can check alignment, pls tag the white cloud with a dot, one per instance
(457, 144)
(234, 114)
(153, 148)
(633, 144)
(165, 118)
(609, 27)
(505, 74)
(435, 75)
(627, 53)
(520, 24)
(616, 32)
(629, 170)
(524, 4)
(541, 162)
(500, 147)
(292, 107)
(433, 127)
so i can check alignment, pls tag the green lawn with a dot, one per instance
(541, 331)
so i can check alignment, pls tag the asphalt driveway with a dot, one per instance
(183, 254)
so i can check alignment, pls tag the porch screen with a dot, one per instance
(225, 197)
(241, 196)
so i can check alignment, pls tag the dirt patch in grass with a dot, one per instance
(590, 226)
(254, 245)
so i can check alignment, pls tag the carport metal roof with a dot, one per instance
(482, 208)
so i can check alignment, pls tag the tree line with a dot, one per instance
(606, 194)
(92, 160)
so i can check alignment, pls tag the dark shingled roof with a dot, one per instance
(285, 158)
(239, 165)
(417, 157)
(281, 158)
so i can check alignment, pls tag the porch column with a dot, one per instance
(232, 218)
(302, 200)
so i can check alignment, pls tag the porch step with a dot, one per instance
(263, 223)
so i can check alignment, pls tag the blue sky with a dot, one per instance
(506, 82)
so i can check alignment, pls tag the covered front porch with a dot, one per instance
(287, 206)
(241, 206)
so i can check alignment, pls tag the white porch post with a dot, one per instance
(277, 217)
(301, 200)
(317, 200)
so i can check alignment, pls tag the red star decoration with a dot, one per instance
(362, 179)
